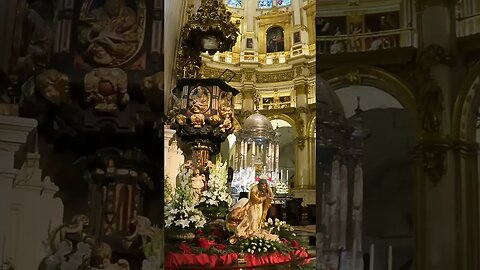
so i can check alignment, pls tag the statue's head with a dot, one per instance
(113, 7)
(262, 185)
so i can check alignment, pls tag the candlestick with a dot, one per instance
(372, 257)
(390, 253)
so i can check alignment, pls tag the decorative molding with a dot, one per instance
(433, 156)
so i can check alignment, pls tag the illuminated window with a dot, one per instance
(282, 3)
(265, 3)
(234, 3)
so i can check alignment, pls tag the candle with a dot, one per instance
(372, 256)
(390, 253)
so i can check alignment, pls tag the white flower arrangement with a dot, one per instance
(281, 187)
(216, 194)
(243, 180)
(279, 227)
(153, 251)
(257, 245)
(180, 212)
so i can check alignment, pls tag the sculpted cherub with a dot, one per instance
(143, 229)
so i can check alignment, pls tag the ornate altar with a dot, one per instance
(98, 97)
(204, 116)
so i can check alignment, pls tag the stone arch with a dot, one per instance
(465, 105)
(311, 126)
(375, 77)
(284, 117)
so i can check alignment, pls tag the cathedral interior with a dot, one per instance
(362, 115)
(399, 79)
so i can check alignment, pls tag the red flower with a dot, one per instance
(205, 243)
(257, 179)
(199, 232)
(220, 246)
(295, 244)
(285, 241)
(185, 248)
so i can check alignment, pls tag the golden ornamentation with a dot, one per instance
(106, 88)
(226, 125)
(249, 214)
(275, 77)
(54, 86)
(181, 119)
(225, 105)
(198, 120)
(215, 120)
(209, 29)
(199, 100)
(111, 34)
(299, 123)
(301, 142)
(248, 93)
(433, 155)
(353, 77)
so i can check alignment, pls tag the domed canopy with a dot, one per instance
(258, 127)
(257, 122)
(328, 103)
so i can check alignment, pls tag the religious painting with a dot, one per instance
(111, 32)
(275, 40)
(378, 23)
(330, 27)
(199, 100)
(285, 102)
(249, 43)
(296, 37)
(267, 103)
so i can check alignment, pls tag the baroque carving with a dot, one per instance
(111, 34)
(106, 88)
(54, 86)
(275, 77)
(429, 93)
(433, 157)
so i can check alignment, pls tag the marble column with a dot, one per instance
(302, 170)
(173, 157)
(248, 93)
(28, 207)
(438, 235)
(174, 12)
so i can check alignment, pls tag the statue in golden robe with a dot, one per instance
(112, 33)
(247, 217)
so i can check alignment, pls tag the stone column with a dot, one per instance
(173, 157)
(438, 235)
(248, 92)
(174, 18)
(28, 208)
(302, 172)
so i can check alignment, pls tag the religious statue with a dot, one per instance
(199, 100)
(102, 256)
(112, 33)
(143, 230)
(247, 217)
(198, 184)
